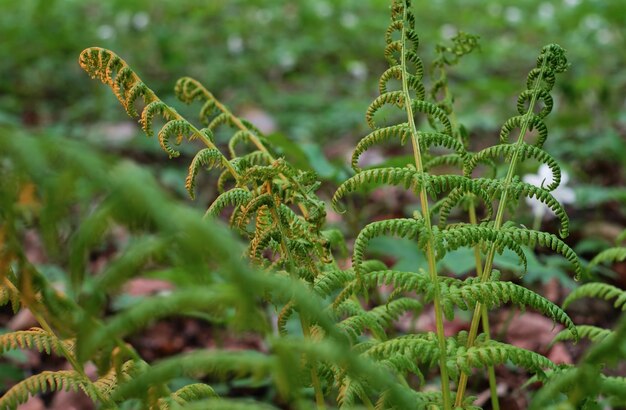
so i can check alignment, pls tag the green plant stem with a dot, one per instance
(430, 252)
(495, 404)
(497, 225)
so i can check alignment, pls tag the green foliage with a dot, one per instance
(328, 333)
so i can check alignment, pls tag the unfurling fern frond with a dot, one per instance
(128, 87)
(598, 290)
(405, 228)
(207, 157)
(34, 338)
(236, 197)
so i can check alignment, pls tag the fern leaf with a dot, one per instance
(593, 333)
(34, 338)
(616, 254)
(490, 353)
(374, 177)
(598, 290)
(193, 392)
(404, 228)
(378, 136)
(379, 318)
(178, 128)
(147, 115)
(329, 281)
(218, 363)
(207, 157)
(495, 293)
(44, 382)
(392, 97)
(524, 151)
(236, 197)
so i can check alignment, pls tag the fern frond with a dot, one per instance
(615, 254)
(593, 333)
(490, 353)
(511, 237)
(147, 115)
(392, 97)
(378, 136)
(525, 151)
(127, 86)
(378, 318)
(495, 293)
(34, 338)
(402, 227)
(374, 177)
(207, 157)
(8, 293)
(177, 128)
(218, 363)
(193, 392)
(457, 196)
(44, 382)
(329, 281)
(236, 197)
(598, 290)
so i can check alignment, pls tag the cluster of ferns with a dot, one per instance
(328, 342)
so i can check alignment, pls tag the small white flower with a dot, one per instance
(562, 193)
(358, 69)
(106, 32)
(235, 44)
(141, 20)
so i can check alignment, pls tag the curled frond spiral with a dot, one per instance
(405, 228)
(207, 157)
(128, 87)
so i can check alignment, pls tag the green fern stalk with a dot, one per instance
(555, 56)
(430, 251)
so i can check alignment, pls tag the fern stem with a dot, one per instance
(430, 252)
(493, 387)
(495, 404)
(497, 225)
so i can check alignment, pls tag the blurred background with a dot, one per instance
(305, 71)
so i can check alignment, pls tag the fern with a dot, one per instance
(598, 290)
(47, 381)
(616, 254)
(34, 338)
(592, 333)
